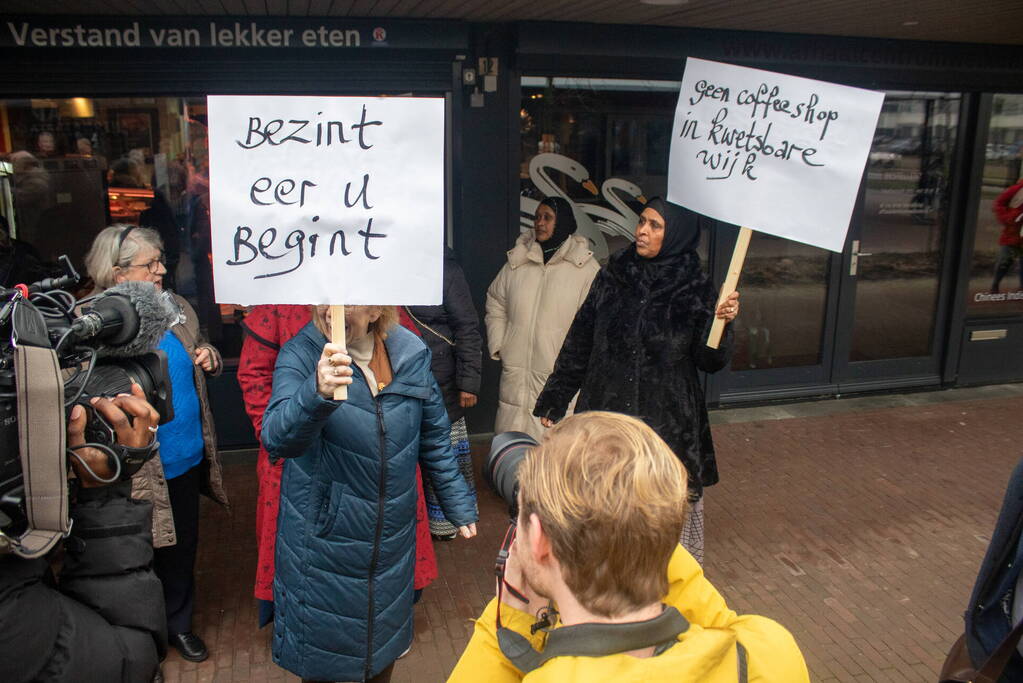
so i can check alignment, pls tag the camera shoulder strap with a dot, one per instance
(594, 640)
(42, 440)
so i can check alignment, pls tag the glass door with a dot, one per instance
(816, 322)
(892, 276)
(783, 335)
(995, 290)
(813, 322)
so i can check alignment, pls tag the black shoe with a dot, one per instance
(190, 646)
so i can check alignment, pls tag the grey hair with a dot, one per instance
(104, 257)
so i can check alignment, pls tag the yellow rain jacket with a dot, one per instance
(706, 652)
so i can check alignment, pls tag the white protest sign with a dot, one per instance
(778, 154)
(327, 200)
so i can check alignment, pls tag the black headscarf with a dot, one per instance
(681, 230)
(564, 225)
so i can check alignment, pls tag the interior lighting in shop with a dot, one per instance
(78, 108)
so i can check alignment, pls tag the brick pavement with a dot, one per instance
(846, 528)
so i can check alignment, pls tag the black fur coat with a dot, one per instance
(635, 347)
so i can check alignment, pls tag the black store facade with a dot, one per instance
(100, 132)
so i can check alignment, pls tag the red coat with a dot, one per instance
(267, 329)
(1009, 216)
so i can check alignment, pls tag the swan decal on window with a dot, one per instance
(597, 222)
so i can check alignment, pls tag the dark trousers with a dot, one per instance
(1007, 256)
(175, 565)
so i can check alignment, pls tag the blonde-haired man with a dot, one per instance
(601, 506)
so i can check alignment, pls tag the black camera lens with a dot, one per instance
(502, 470)
(113, 376)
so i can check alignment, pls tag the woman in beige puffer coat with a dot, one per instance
(530, 306)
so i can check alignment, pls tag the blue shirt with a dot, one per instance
(181, 444)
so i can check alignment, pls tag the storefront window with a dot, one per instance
(603, 144)
(996, 273)
(784, 290)
(80, 164)
(600, 143)
(901, 235)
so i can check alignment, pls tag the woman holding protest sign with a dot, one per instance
(530, 306)
(638, 341)
(346, 528)
(268, 327)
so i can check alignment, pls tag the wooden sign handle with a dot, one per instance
(337, 336)
(731, 281)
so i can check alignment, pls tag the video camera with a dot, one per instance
(56, 352)
(502, 468)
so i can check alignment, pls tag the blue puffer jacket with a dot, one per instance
(346, 530)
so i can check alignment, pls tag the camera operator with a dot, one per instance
(596, 586)
(103, 620)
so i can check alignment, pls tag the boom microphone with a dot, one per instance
(129, 319)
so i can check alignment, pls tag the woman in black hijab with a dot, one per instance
(638, 340)
(555, 226)
(530, 306)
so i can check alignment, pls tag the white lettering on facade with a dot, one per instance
(76, 36)
(235, 34)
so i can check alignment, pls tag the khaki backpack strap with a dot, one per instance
(42, 440)
(593, 640)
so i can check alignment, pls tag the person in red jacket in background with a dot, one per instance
(267, 328)
(1008, 208)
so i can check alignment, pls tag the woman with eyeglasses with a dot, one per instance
(188, 447)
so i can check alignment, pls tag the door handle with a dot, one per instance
(854, 259)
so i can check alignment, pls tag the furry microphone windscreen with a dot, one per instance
(157, 312)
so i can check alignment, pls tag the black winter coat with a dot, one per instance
(106, 622)
(989, 615)
(634, 348)
(452, 332)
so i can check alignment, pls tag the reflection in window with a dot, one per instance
(996, 272)
(905, 214)
(784, 293)
(600, 143)
(613, 137)
(80, 164)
